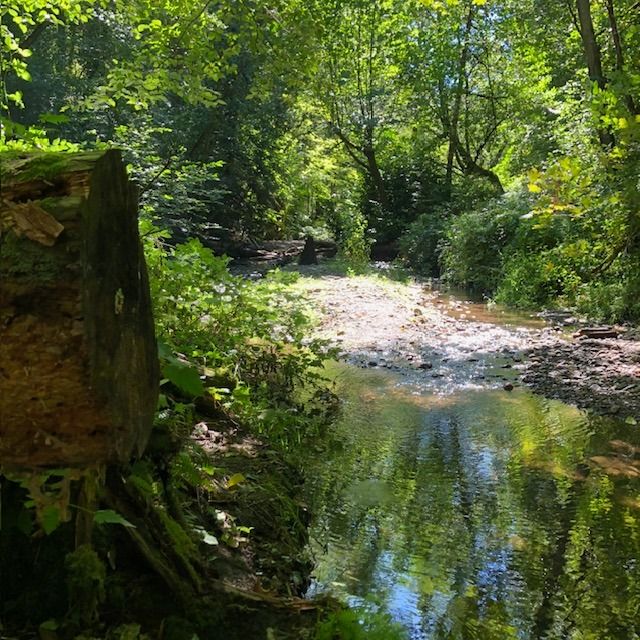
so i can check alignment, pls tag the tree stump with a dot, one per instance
(78, 359)
(308, 255)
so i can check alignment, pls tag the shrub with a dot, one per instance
(533, 280)
(474, 243)
(251, 336)
(419, 245)
(360, 624)
(354, 245)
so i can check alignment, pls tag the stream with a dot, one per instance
(469, 511)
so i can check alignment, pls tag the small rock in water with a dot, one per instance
(372, 363)
(508, 386)
(425, 365)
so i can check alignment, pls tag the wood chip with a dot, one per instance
(32, 221)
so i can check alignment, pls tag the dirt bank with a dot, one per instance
(445, 342)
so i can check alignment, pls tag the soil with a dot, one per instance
(446, 342)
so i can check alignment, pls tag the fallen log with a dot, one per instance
(597, 332)
(78, 359)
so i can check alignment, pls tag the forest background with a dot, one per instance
(495, 142)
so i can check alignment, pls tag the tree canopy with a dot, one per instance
(384, 121)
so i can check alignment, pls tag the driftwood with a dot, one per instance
(597, 332)
(78, 360)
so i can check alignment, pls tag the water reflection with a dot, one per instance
(481, 514)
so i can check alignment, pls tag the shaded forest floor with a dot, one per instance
(446, 342)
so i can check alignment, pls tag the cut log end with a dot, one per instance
(78, 361)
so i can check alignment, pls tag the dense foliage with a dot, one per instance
(241, 343)
(366, 121)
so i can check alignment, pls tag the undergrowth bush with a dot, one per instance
(474, 243)
(248, 338)
(420, 244)
(614, 298)
(353, 244)
(533, 280)
(360, 624)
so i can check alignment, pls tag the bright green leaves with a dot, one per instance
(20, 23)
(176, 50)
(50, 518)
(443, 5)
(235, 479)
(185, 377)
(181, 50)
(566, 186)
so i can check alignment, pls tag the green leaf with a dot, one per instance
(185, 377)
(208, 538)
(108, 516)
(235, 479)
(50, 518)
(49, 625)
(53, 118)
(631, 420)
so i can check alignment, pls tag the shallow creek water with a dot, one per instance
(467, 511)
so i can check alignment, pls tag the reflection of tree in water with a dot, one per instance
(493, 522)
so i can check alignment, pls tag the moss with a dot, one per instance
(31, 263)
(180, 540)
(86, 575)
(62, 209)
(181, 543)
(24, 167)
(18, 167)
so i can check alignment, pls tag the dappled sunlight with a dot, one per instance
(413, 330)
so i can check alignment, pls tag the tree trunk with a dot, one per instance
(589, 43)
(375, 175)
(593, 57)
(617, 45)
(457, 101)
(471, 167)
(78, 360)
(308, 255)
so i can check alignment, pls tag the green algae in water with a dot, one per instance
(500, 515)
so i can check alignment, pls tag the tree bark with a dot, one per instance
(457, 101)
(590, 44)
(78, 360)
(308, 255)
(617, 45)
(376, 175)
(593, 57)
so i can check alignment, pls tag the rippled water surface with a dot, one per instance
(478, 514)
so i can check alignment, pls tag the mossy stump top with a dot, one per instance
(78, 360)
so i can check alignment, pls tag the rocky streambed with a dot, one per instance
(602, 375)
(448, 342)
